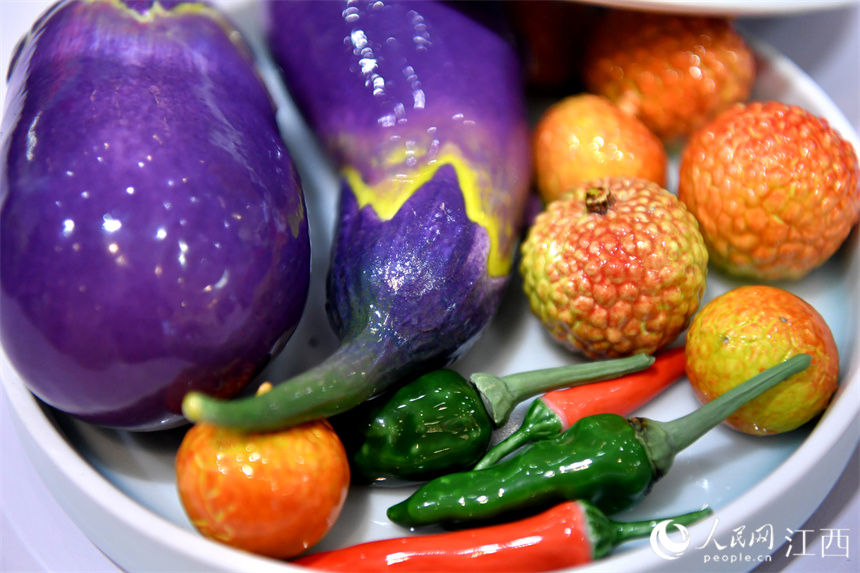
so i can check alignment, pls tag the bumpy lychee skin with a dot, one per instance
(615, 267)
(775, 188)
(586, 136)
(674, 72)
(749, 329)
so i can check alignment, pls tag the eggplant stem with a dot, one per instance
(347, 378)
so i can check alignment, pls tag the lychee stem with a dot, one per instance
(663, 440)
(599, 200)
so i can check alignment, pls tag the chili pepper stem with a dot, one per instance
(502, 394)
(569, 534)
(608, 534)
(539, 421)
(344, 380)
(634, 529)
(663, 440)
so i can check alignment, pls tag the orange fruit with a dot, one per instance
(674, 72)
(749, 329)
(586, 136)
(776, 190)
(274, 494)
(615, 267)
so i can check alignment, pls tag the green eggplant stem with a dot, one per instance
(663, 440)
(349, 377)
(502, 394)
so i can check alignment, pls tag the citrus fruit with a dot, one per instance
(274, 494)
(775, 188)
(586, 136)
(615, 267)
(674, 72)
(749, 329)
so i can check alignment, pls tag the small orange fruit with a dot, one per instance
(674, 72)
(274, 494)
(749, 329)
(776, 190)
(586, 136)
(615, 267)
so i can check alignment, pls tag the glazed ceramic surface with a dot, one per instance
(120, 487)
(154, 234)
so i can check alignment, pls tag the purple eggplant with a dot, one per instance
(420, 104)
(154, 231)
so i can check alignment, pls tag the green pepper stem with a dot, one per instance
(355, 372)
(634, 529)
(502, 395)
(606, 534)
(539, 422)
(663, 440)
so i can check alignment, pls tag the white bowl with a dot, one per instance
(119, 487)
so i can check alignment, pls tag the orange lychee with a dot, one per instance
(775, 189)
(745, 331)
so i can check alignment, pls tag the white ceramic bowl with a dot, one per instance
(120, 489)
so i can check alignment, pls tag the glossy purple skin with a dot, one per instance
(154, 233)
(419, 280)
(378, 79)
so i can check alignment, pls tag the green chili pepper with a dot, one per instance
(556, 411)
(606, 459)
(441, 422)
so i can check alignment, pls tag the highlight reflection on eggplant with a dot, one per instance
(420, 105)
(154, 232)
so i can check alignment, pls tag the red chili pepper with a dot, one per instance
(556, 411)
(569, 534)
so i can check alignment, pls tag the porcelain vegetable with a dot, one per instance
(606, 459)
(420, 105)
(556, 411)
(442, 423)
(154, 234)
(570, 534)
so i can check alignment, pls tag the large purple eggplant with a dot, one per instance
(420, 104)
(154, 231)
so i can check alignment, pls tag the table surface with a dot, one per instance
(36, 535)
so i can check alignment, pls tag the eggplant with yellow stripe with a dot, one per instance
(420, 105)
